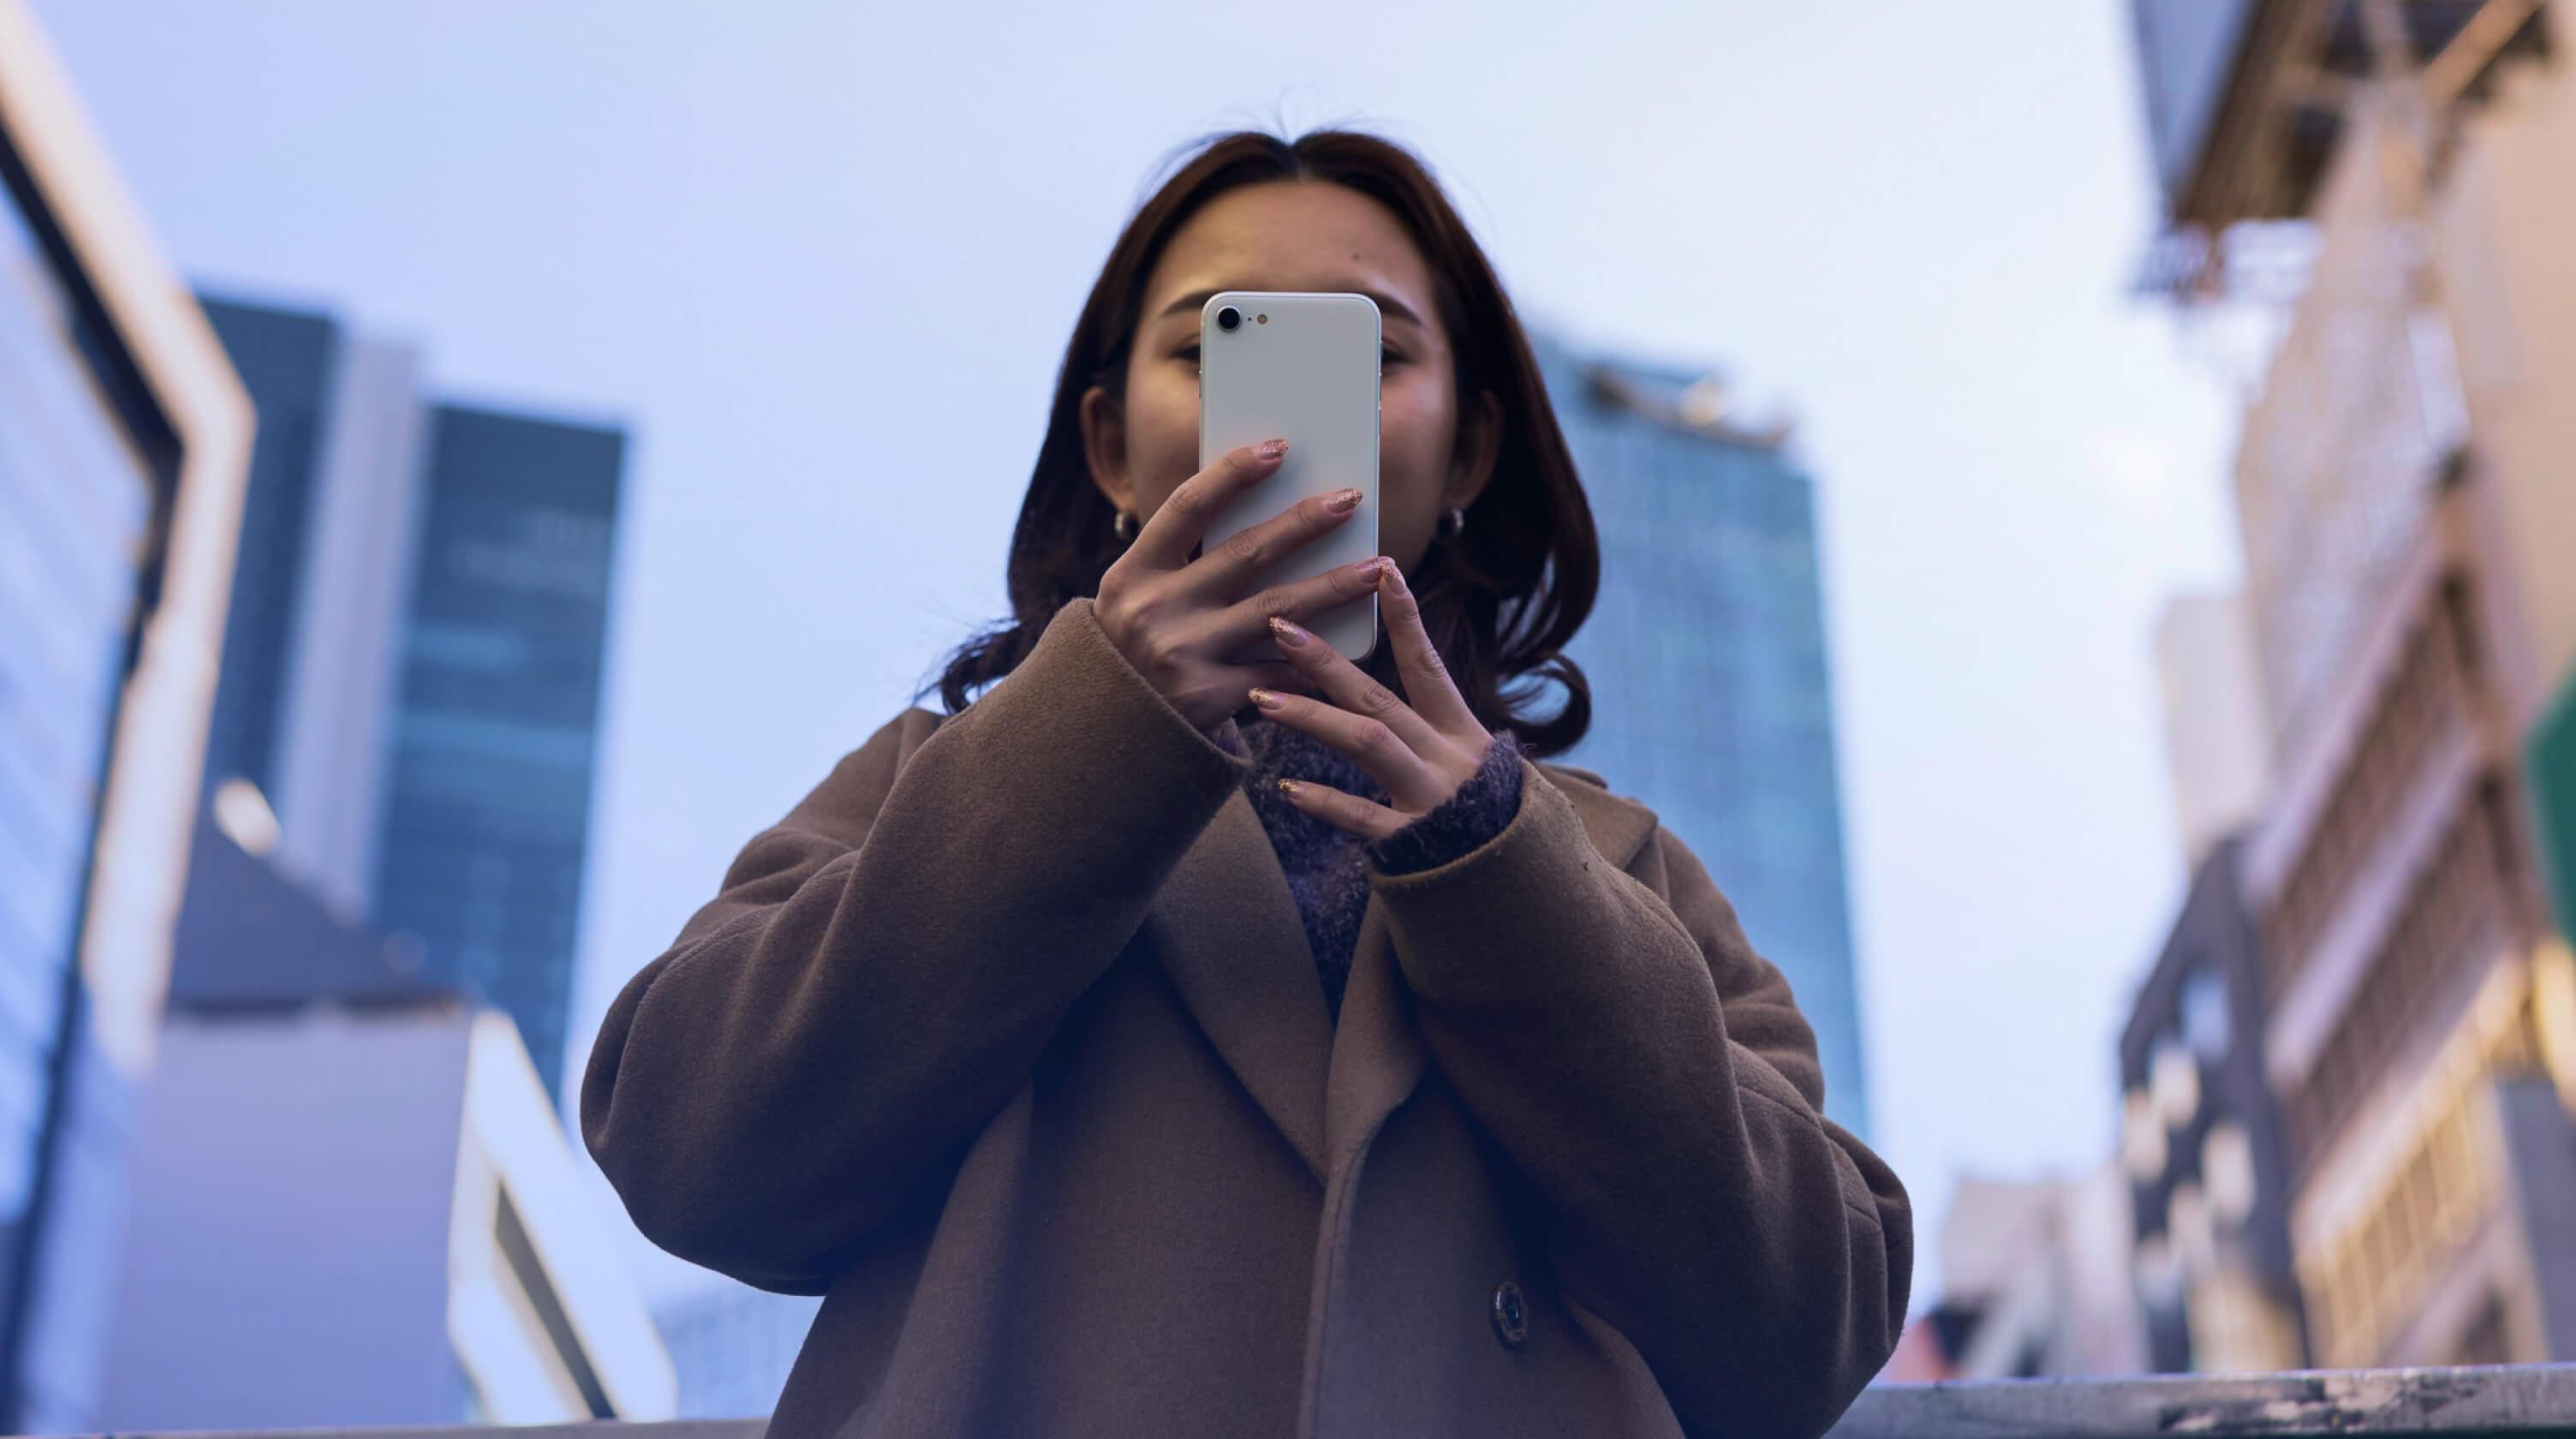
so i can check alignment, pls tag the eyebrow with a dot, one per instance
(1197, 299)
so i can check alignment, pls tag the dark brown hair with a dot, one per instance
(1500, 600)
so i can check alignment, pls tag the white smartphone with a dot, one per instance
(1302, 367)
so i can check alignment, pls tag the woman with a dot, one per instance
(1108, 1085)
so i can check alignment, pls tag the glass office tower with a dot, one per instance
(411, 672)
(123, 436)
(286, 360)
(487, 799)
(76, 503)
(1710, 682)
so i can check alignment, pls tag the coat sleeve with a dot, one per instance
(1650, 1076)
(882, 967)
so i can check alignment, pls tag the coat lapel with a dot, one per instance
(1231, 942)
(1235, 950)
(1377, 1055)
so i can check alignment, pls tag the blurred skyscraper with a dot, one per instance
(487, 802)
(413, 669)
(2387, 184)
(75, 508)
(312, 643)
(123, 441)
(285, 361)
(1711, 686)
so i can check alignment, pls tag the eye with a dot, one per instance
(1187, 352)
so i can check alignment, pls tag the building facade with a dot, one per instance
(352, 1201)
(412, 675)
(313, 644)
(2401, 490)
(2213, 718)
(285, 360)
(122, 462)
(495, 735)
(2035, 1281)
(1710, 680)
(2201, 1144)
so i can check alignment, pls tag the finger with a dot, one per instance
(1266, 674)
(1182, 520)
(1376, 746)
(1241, 558)
(1418, 661)
(1353, 688)
(1347, 812)
(1246, 622)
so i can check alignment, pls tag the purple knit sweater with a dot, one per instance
(1328, 868)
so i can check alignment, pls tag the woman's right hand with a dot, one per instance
(1181, 622)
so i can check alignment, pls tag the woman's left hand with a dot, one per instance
(1418, 753)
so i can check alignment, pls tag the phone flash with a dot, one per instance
(1261, 319)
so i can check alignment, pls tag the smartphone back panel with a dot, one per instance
(1303, 367)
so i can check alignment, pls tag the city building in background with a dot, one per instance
(2200, 1143)
(488, 784)
(2035, 1285)
(1711, 685)
(2213, 718)
(353, 1203)
(2390, 181)
(122, 467)
(285, 361)
(412, 678)
(313, 645)
(733, 1347)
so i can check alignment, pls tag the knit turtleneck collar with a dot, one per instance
(1278, 752)
(1326, 868)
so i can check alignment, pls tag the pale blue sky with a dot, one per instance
(823, 257)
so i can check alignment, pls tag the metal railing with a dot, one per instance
(2455, 1403)
(2515, 1399)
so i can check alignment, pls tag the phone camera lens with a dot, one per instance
(1228, 318)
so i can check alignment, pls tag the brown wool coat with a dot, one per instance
(1008, 1039)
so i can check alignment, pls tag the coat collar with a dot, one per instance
(1231, 942)
(1232, 945)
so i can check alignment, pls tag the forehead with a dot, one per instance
(1292, 235)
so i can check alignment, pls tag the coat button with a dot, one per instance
(1511, 1316)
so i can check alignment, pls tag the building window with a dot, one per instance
(2453, 920)
(2227, 1173)
(2142, 1136)
(2205, 1019)
(2174, 1075)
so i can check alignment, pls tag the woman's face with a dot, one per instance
(1297, 235)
